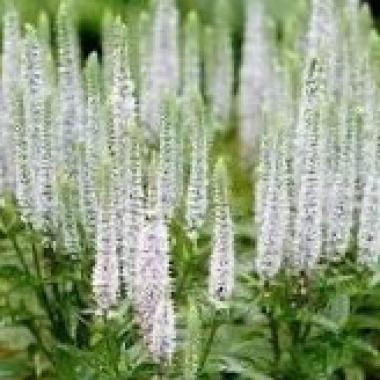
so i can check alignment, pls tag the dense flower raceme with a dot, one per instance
(105, 275)
(161, 63)
(221, 278)
(219, 64)
(196, 202)
(75, 143)
(326, 188)
(255, 74)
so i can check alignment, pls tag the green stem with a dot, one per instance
(186, 267)
(19, 254)
(295, 331)
(161, 372)
(109, 340)
(209, 342)
(306, 332)
(32, 328)
(273, 326)
(35, 332)
(273, 329)
(43, 295)
(184, 274)
(36, 261)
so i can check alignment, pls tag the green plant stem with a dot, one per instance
(35, 331)
(184, 274)
(37, 262)
(55, 314)
(273, 326)
(209, 342)
(109, 340)
(19, 254)
(186, 267)
(41, 291)
(161, 372)
(60, 328)
(306, 332)
(43, 295)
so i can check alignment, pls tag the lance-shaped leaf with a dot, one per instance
(192, 341)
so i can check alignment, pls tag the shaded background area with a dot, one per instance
(375, 8)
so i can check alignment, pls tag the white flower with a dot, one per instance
(11, 67)
(152, 283)
(162, 73)
(167, 175)
(308, 235)
(163, 341)
(196, 205)
(191, 55)
(219, 65)
(221, 277)
(105, 276)
(255, 75)
(37, 127)
(272, 223)
(134, 213)
(94, 141)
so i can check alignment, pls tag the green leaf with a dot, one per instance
(375, 280)
(12, 369)
(338, 310)
(363, 321)
(354, 373)
(362, 346)
(11, 272)
(246, 370)
(325, 323)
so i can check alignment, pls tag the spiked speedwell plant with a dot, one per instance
(127, 243)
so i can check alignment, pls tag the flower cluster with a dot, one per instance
(318, 181)
(221, 278)
(76, 143)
